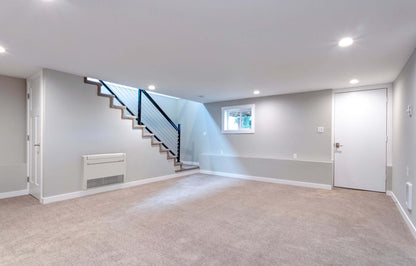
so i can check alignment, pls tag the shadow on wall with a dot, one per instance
(285, 125)
(201, 134)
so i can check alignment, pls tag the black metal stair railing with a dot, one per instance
(140, 104)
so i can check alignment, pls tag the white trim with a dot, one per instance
(39, 75)
(239, 131)
(43, 112)
(406, 218)
(131, 88)
(28, 129)
(265, 157)
(92, 191)
(11, 194)
(190, 163)
(269, 180)
(363, 88)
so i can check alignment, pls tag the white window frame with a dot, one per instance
(240, 131)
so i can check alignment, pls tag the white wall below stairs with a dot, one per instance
(78, 122)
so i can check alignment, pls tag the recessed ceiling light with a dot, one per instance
(344, 42)
(354, 81)
(2, 49)
(152, 87)
(256, 92)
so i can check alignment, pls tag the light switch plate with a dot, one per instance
(409, 110)
(320, 130)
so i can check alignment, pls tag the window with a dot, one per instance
(238, 119)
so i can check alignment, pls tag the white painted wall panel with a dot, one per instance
(78, 122)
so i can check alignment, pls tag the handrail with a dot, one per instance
(115, 96)
(160, 109)
(163, 144)
(179, 143)
(139, 118)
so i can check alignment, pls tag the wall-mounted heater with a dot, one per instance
(103, 165)
(409, 196)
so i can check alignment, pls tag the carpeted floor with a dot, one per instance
(207, 220)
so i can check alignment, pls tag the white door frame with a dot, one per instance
(387, 88)
(29, 139)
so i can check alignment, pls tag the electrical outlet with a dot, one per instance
(320, 130)
(407, 171)
(295, 156)
(409, 195)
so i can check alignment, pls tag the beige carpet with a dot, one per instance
(207, 220)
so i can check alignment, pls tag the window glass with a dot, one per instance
(233, 119)
(238, 119)
(246, 119)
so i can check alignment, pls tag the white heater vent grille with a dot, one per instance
(102, 166)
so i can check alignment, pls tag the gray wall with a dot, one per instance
(12, 134)
(404, 132)
(78, 122)
(285, 125)
(195, 122)
(293, 170)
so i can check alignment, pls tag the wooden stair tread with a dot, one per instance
(106, 95)
(138, 126)
(134, 126)
(129, 117)
(118, 107)
(194, 167)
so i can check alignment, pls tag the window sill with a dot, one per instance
(237, 132)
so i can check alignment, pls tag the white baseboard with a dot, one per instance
(191, 163)
(406, 218)
(11, 194)
(92, 191)
(269, 180)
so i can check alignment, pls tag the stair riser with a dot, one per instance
(134, 126)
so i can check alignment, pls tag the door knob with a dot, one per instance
(338, 145)
(36, 145)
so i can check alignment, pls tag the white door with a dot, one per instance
(361, 135)
(35, 102)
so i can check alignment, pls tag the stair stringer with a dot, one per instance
(177, 166)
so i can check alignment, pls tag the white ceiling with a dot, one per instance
(219, 49)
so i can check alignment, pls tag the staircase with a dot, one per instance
(139, 107)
